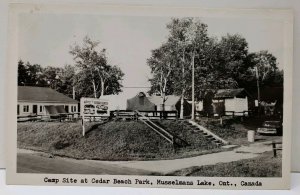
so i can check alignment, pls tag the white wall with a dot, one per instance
(30, 104)
(236, 105)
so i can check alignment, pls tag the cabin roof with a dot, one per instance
(170, 100)
(42, 94)
(230, 93)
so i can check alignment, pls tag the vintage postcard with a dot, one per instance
(146, 96)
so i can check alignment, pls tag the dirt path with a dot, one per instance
(30, 162)
(39, 163)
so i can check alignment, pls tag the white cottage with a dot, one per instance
(42, 100)
(233, 101)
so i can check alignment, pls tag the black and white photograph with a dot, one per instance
(173, 97)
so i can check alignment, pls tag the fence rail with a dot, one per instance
(165, 134)
(52, 117)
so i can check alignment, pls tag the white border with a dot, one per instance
(11, 96)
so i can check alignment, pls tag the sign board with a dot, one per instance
(93, 108)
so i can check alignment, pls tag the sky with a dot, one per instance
(46, 39)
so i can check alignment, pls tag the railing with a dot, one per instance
(58, 117)
(233, 113)
(165, 134)
(150, 114)
(161, 114)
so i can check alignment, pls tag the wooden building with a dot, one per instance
(231, 102)
(43, 101)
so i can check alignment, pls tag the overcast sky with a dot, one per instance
(46, 39)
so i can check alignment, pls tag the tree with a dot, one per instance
(67, 81)
(188, 37)
(264, 70)
(22, 73)
(161, 64)
(51, 77)
(29, 75)
(95, 70)
(232, 55)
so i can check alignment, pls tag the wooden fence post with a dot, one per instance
(274, 149)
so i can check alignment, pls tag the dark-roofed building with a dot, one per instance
(41, 100)
(231, 101)
(142, 102)
(172, 103)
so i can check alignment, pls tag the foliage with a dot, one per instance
(219, 63)
(94, 73)
(30, 74)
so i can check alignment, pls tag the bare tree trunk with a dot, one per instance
(183, 89)
(102, 87)
(94, 87)
(181, 104)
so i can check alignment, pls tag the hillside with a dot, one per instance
(115, 140)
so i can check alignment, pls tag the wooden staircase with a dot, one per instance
(174, 140)
(213, 138)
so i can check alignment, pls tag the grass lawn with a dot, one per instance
(234, 130)
(115, 140)
(264, 165)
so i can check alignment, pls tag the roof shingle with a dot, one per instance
(42, 94)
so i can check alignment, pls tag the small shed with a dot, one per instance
(140, 102)
(231, 101)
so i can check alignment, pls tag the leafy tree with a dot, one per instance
(267, 72)
(94, 70)
(161, 64)
(22, 73)
(51, 77)
(67, 80)
(29, 75)
(187, 36)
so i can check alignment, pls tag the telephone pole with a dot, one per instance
(258, 88)
(193, 86)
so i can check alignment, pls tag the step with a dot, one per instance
(210, 138)
(216, 141)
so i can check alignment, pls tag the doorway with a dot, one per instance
(34, 109)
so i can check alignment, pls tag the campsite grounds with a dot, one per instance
(122, 140)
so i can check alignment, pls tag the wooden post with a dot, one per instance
(83, 128)
(274, 149)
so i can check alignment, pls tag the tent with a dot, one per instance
(140, 102)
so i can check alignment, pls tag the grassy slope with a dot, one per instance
(196, 140)
(263, 166)
(111, 141)
(227, 130)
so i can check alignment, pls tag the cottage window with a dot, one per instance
(71, 108)
(74, 108)
(26, 108)
(41, 108)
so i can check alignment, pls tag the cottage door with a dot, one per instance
(67, 109)
(34, 109)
